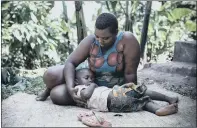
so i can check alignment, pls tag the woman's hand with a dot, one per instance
(77, 99)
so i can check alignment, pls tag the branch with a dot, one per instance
(123, 9)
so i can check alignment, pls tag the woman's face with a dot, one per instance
(105, 37)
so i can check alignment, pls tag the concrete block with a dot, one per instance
(185, 51)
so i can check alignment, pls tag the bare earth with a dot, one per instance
(22, 110)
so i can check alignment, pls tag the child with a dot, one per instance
(126, 98)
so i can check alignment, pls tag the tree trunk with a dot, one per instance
(127, 17)
(80, 21)
(107, 4)
(113, 5)
(66, 20)
(145, 28)
(65, 11)
(129, 20)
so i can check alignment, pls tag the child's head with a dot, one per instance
(84, 76)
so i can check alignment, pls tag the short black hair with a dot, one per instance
(79, 71)
(107, 20)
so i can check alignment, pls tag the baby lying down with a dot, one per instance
(126, 98)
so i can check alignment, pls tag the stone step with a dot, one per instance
(182, 68)
(185, 51)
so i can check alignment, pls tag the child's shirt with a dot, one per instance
(98, 100)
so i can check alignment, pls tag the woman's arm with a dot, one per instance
(87, 92)
(131, 57)
(75, 58)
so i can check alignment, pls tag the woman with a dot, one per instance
(113, 56)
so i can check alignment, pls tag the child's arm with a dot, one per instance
(87, 92)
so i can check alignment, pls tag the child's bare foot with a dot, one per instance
(43, 96)
(173, 100)
(167, 110)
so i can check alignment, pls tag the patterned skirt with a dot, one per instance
(127, 98)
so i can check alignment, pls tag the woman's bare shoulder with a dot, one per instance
(129, 40)
(88, 39)
(129, 37)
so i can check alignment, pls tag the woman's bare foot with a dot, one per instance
(173, 100)
(167, 110)
(43, 96)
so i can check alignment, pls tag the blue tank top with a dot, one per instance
(105, 64)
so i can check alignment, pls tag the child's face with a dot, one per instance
(85, 77)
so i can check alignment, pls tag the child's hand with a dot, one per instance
(128, 85)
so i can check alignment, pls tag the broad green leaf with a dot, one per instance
(43, 37)
(29, 27)
(99, 11)
(64, 26)
(6, 37)
(7, 17)
(33, 17)
(170, 17)
(191, 26)
(178, 13)
(39, 41)
(48, 4)
(52, 47)
(32, 45)
(32, 7)
(17, 34)
(53, 42)
(25, 32)
(41, 50)
(28, 36)
(150, 27)
(165, 6)
(5, 6)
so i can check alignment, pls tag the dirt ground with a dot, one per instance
(22, 110)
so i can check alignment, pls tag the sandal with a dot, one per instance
(95, 121)
(84, 114)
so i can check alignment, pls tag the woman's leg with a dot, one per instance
(161, 97)
(60, 96)
(52, 77)
(161, 111)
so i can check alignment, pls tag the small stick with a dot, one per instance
(97, 118)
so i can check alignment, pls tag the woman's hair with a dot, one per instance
(107, 20)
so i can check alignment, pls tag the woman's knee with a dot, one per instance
(53, 76)
(60, 96)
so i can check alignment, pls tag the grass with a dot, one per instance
(26, 85)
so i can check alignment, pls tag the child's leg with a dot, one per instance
(161, 97)
(161, 111)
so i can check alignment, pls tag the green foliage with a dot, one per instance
(30, 37)
(190, 26)
(173, 21)
(27, 85)
(166, 26)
